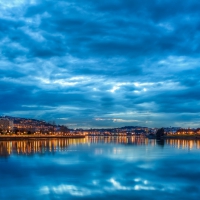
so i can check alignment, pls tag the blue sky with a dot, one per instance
(113, 63)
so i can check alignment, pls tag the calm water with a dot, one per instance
(100, 168)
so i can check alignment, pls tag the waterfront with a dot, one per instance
(100, 167)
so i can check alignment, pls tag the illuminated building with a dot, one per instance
(6, 124)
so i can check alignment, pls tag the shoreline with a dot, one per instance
(191, 137)
(183, 137)
(20, 137)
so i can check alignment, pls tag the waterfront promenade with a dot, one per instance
(190, 137)
(175, 136)
(16, 137)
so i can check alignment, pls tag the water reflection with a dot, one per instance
(100, 168)
(184, 144)
(29, 147)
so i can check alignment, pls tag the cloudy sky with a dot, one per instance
(87, 63)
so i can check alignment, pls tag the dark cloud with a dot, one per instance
(112, 60)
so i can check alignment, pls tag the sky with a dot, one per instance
(86, 63)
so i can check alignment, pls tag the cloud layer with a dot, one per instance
(125, 62)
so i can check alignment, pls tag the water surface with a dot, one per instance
(100, 168)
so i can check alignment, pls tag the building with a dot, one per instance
(6, 124)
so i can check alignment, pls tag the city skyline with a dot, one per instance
(90, 64)
(14, 122)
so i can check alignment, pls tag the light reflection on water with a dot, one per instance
(98, 167)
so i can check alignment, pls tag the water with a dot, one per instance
(100, 168)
